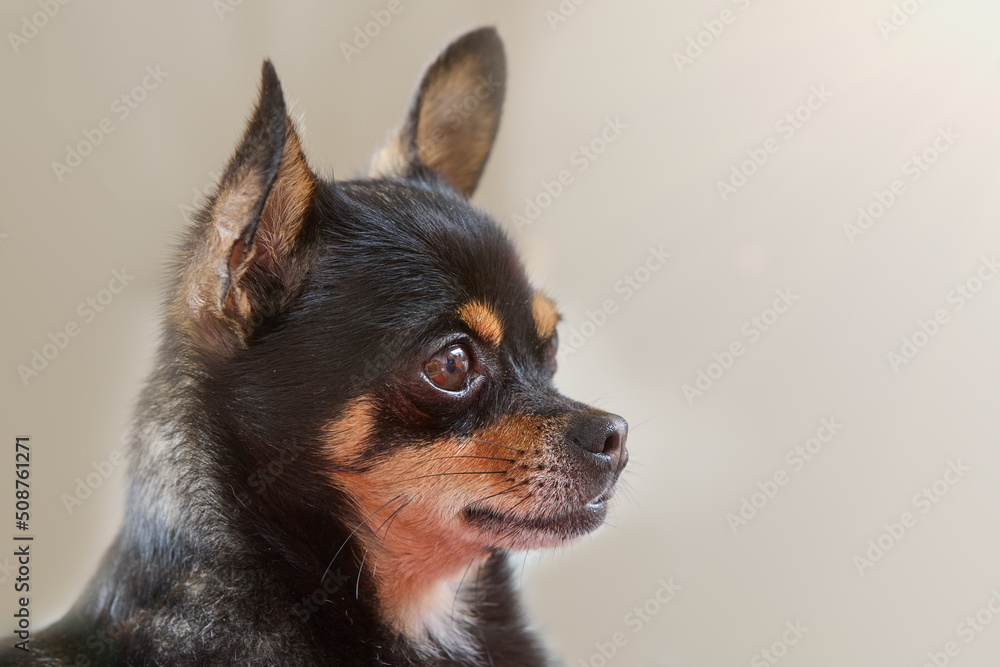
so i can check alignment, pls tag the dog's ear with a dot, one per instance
(251, 246)
(454, 116)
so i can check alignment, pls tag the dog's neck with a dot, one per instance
(434, 608)
(421, 568)
(426, 583)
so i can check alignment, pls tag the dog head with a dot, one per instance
(386, 327)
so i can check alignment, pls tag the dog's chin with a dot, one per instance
(521, 531)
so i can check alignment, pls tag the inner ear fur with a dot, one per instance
(249, 251)
(453, 118)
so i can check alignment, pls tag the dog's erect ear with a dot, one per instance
(454, 116)
(252, 245)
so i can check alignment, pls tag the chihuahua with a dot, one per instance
(351, 421)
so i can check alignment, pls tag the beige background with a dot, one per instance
(655, 185)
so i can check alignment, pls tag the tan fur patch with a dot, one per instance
(219, 313)
(545, 315)
(287, 203)
(410, 500)
(346, 436)
(453, 146)
(414, 551)
(278, 230)
(200, 304)
(451, 126)
(483, 321)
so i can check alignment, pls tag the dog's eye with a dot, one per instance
(449, 368)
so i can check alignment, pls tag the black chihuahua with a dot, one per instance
(352, 417)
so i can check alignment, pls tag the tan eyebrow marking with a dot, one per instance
(483, 321)
(545, 314)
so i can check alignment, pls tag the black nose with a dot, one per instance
(602, 437)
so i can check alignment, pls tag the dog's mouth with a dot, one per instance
(531, 531)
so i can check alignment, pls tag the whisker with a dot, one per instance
(327, 570)
(473, 472)
(391, 520)
(599, 399)
(391, 517)
(523, 500)
(361, 568)
(459, 589)
(464, 456)
(496, 444)
(510, 533)
(513, 530)
(494, 495)
(632, 429)
(237, 497)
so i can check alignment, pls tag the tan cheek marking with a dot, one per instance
(347, 435)
(483, 321)
(417, 548)
(545, 315)
(415, 551)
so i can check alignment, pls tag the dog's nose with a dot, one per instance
(602, 436)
